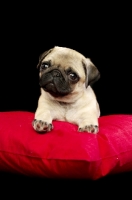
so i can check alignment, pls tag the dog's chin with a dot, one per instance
(53, 91)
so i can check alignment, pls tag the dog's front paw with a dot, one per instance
(89, 128)
(41, 126)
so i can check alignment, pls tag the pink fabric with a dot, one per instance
(64, 152)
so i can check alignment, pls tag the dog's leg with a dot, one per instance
(88, 122)
(43, 120)
(86, 117)
(41, 125)
(89, 114)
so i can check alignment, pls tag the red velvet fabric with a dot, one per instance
(64, 152)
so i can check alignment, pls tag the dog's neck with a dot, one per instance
(68, 99)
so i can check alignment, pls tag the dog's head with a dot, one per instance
(64, 71)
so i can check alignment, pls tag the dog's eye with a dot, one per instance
(73, 76)
(44, 66)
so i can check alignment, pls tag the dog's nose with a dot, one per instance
(56, 73)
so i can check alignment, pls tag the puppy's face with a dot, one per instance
(64, 71)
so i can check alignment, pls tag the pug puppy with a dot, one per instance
(65, 76)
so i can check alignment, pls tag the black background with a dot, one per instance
(100, 32)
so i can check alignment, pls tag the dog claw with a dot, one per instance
(89, 128)
(41, 126)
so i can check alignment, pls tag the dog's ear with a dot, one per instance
(91, 72)
(42, 56)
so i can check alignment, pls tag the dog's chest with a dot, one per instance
(65, 112)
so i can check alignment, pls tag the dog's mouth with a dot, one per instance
(54, 83)
(55, 91)
(50, 87)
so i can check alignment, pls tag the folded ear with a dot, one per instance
(43, 55)
(91, 72)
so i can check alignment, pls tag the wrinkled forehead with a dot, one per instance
(59, 53)
(66, 58)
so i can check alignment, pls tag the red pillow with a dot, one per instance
(64, 152)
